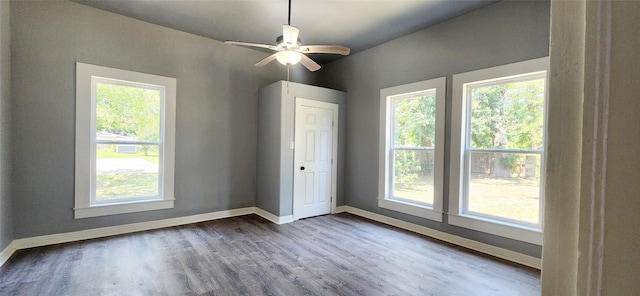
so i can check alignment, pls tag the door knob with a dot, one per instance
(302, 168)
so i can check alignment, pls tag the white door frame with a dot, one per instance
(334, 153)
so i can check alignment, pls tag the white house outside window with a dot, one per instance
(497, 154)
(125, 125)
(411, 144)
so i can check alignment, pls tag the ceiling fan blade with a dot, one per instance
(252, 44)
(309, 63)
(266, 60)
(333, 49)
(290, 35)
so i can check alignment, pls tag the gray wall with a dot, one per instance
(502, 33)
(216, 123)
(6, 219)
(268, 167)
(275, 158)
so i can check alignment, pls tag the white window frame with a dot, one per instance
(459, 144)
(85, 167)
(385, 200)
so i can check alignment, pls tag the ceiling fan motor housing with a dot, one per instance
(280, 42)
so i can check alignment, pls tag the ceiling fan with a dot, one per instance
(289, 49)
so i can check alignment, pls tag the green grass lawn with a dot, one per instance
(120, 185)
(152, 157)
(129, 184)
(420, 190)
(512, 198)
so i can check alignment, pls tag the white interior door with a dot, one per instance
(315, 147)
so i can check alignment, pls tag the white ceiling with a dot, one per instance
(357, 24)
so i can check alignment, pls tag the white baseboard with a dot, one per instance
(44, 240)
(58, 238)
(341, 209)
(273, 218)
(450, 238)
(7, 252)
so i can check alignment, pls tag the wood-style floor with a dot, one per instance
(327, 255)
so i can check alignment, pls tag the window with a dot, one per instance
(411, 148)
(497, 150)
(125, 126)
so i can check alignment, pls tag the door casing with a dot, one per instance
(334, 149)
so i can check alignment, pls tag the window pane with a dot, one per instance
(508, 115)
(126, 171)
(415, 121)
(126, 113)
(413, 175)
(505, 185)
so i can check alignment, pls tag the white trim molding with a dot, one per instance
(58, 238)
(386, 198)
(7, 252)
(88, 77)
(129, 207)
(298, 156)
(594, 152)
(450, 238)
(273, 218)
(411, 209)
(341, 209)
(459, 213)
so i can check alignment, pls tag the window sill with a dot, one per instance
(500, 228)
(122, 208)
(411, 209)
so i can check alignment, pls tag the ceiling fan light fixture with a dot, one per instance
(288, 57)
